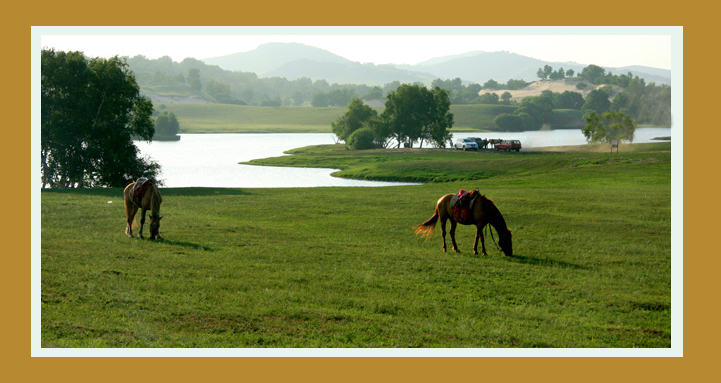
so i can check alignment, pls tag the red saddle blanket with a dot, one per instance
(141, 185)
(462, 204)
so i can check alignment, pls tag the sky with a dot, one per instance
(603, 46)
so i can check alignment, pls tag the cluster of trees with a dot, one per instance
(547, 73)
(235, 87)
(412, 113)
(90, 110)
(166, 125)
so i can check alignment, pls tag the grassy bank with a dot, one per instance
(341, 267)
(434, 165)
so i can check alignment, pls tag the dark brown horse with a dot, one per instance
(483, 212)
(149, 200)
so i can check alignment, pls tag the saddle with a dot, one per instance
(138, 191)
(462, 203)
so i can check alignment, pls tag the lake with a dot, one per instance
(212, 160)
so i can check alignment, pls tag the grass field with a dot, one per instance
(341, 267)
(224, 118)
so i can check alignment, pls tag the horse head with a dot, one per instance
(505, 242)
(155, 227)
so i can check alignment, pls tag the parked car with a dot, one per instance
(509, 145)
(466, 144)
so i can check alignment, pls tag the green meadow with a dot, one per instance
(341, 267)
(225, 118)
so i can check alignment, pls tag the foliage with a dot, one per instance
(413, 113)
(597, 101)
(645, 103)
(593, 73)
(602, 128)
(489, 98)
(91, 109)
(509, 122)
(338, 97)
(362, 139)
(166, 124)
(357, 115)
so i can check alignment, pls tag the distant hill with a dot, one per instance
(293, 61)
(268, 57)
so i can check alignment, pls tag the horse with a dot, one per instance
(483, 212)
(149, 200)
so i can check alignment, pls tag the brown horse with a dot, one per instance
(483, 212)
(150, 200)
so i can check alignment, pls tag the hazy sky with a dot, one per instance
(604, 46)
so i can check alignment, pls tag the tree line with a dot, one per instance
(413, 113)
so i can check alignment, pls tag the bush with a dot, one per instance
(362, 139)
(581, 86)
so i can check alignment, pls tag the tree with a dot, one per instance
(356, 116)
(509, 122)
(506, 98)
(597, 101)
(602, 128)
(412, 113)
(166, 124)
(91, 109)
(362, 139)
(491, 84)
(489, 98)
(194, 79)
(593, 73)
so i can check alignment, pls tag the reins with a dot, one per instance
(494, 239)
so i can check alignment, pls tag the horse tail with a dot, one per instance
(426, 228)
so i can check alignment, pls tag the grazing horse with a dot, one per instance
(483, 212)
(149, 199)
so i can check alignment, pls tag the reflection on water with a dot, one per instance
(212, 160)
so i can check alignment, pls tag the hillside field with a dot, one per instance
(225, 118)
(342, 267)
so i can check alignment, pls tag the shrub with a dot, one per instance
(362, 139)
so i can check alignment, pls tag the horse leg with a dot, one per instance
(453, 236)
(142, 222)
(479, 235)
(130, 215)
(443, 233)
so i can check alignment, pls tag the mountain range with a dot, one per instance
(294, 61)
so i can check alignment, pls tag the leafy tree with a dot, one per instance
(570, 73)
(593, 73)
(506, 98)
(91, 109)
(568, 100)
(362, 139)
(516, 84)
(489, 98)
(509, 122)
(166, 124)
(194, 79)
(491, 84)
(376, 93)
(557, 75)
(412, 112)
(356, 116)
(541, 74)
(602, 128)
(597, 100)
